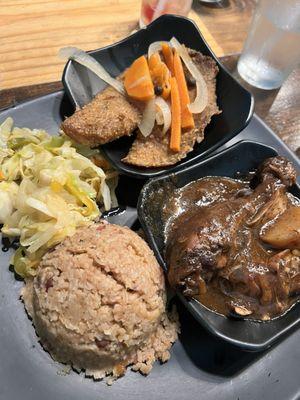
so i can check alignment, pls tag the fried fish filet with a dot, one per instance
(107, 117)
(154, 151)
(111, 115)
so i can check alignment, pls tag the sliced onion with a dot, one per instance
(155, 47)
(159, 117)
(201, 99)
(89, 62)
(148, 120)
(163, 115)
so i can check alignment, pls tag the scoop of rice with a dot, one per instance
(98, 303)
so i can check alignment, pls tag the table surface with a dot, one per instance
(32, 31)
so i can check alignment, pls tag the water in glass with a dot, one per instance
(272, 48)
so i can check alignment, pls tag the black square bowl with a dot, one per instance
(241, 157)
(235, 102)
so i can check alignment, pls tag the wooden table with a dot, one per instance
(32, 31)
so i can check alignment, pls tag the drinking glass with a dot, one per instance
(152, 9)
(272, 48)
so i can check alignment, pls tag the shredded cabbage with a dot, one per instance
(48, 189)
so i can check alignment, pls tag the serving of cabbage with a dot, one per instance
(48, 188)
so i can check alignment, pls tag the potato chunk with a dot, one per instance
(284, 232)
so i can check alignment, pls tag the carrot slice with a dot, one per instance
(160, 76)
(154, 60)
(168, 56)
(138, 82)
(176, 117)
(187, 120)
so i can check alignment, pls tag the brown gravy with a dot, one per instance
(217, 250)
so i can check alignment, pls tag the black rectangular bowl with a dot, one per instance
(241, 157)
(235, 102)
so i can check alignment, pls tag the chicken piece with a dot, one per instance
(276, 205)
(287, 265)
(107, 117)
(283, 232)
(216, 247)
(154, 151)
(280, 168)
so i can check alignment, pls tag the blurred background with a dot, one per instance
(32, 31)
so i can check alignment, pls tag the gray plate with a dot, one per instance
(201, 367)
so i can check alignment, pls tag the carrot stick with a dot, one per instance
(187, 120)
(176, 117)
(168, 56)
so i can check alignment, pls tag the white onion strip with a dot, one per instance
(201, 99)
(159, 117)
(89, 62)
(163, 116)
(148, 120)
(155, 47)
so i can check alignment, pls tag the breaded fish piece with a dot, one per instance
(107, 117)
(154, 151)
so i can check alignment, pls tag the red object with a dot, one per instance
(148, 12)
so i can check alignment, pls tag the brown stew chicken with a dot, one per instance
(235, 245)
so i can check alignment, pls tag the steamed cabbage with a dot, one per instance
(47, 190)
